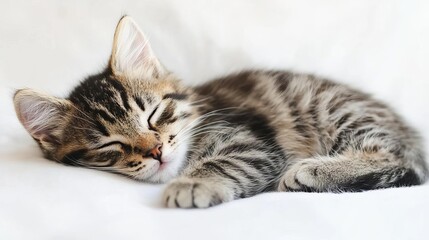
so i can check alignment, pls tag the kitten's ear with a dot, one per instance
(132, 55)
(41, 115)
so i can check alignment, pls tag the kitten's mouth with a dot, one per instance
(163, 163)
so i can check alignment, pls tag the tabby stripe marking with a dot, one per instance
(104, 115)
(259, 164)
(122, 92)
(282, 81)
(101, 128)
(208, 151)
(167, 114)
(342, 120)
(214, 166)
(237, 168)
(239, 148)
(184, 115)
(175, 96)
(139, 103)
(339, 143)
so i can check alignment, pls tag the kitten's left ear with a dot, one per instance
(132, 56)
(43, 116)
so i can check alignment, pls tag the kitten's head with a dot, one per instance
(131, 119)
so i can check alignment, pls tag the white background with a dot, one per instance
(381, 47)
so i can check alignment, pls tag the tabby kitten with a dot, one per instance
(230, 138)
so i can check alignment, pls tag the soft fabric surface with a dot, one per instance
(381, 47)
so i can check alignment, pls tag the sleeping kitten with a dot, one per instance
(230, 138)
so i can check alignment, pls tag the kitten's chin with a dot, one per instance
(171, 166)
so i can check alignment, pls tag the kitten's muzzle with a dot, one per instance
(155, 152)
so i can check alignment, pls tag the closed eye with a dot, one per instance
(110, 144)
(151, 127)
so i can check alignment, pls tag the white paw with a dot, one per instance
(194, 193)
(302, 176)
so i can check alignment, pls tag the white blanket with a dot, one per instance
(379, 46)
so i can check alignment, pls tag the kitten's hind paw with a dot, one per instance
(194, 193)
(303, 176)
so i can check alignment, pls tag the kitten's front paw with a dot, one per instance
(194, 193)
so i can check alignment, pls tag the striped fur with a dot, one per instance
(233, 137)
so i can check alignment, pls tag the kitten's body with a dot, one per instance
(231, 138)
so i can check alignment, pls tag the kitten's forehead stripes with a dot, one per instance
(123, 93)
(101, 128)
(104, 96)
(139, 103)
(104, 115)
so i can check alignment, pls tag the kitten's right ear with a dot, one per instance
(41, 115)
(132, 56)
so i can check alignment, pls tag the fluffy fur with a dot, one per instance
(233, 137)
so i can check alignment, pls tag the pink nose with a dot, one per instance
(156, 152)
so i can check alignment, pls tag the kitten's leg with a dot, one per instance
(230, 166)
(351, 171)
